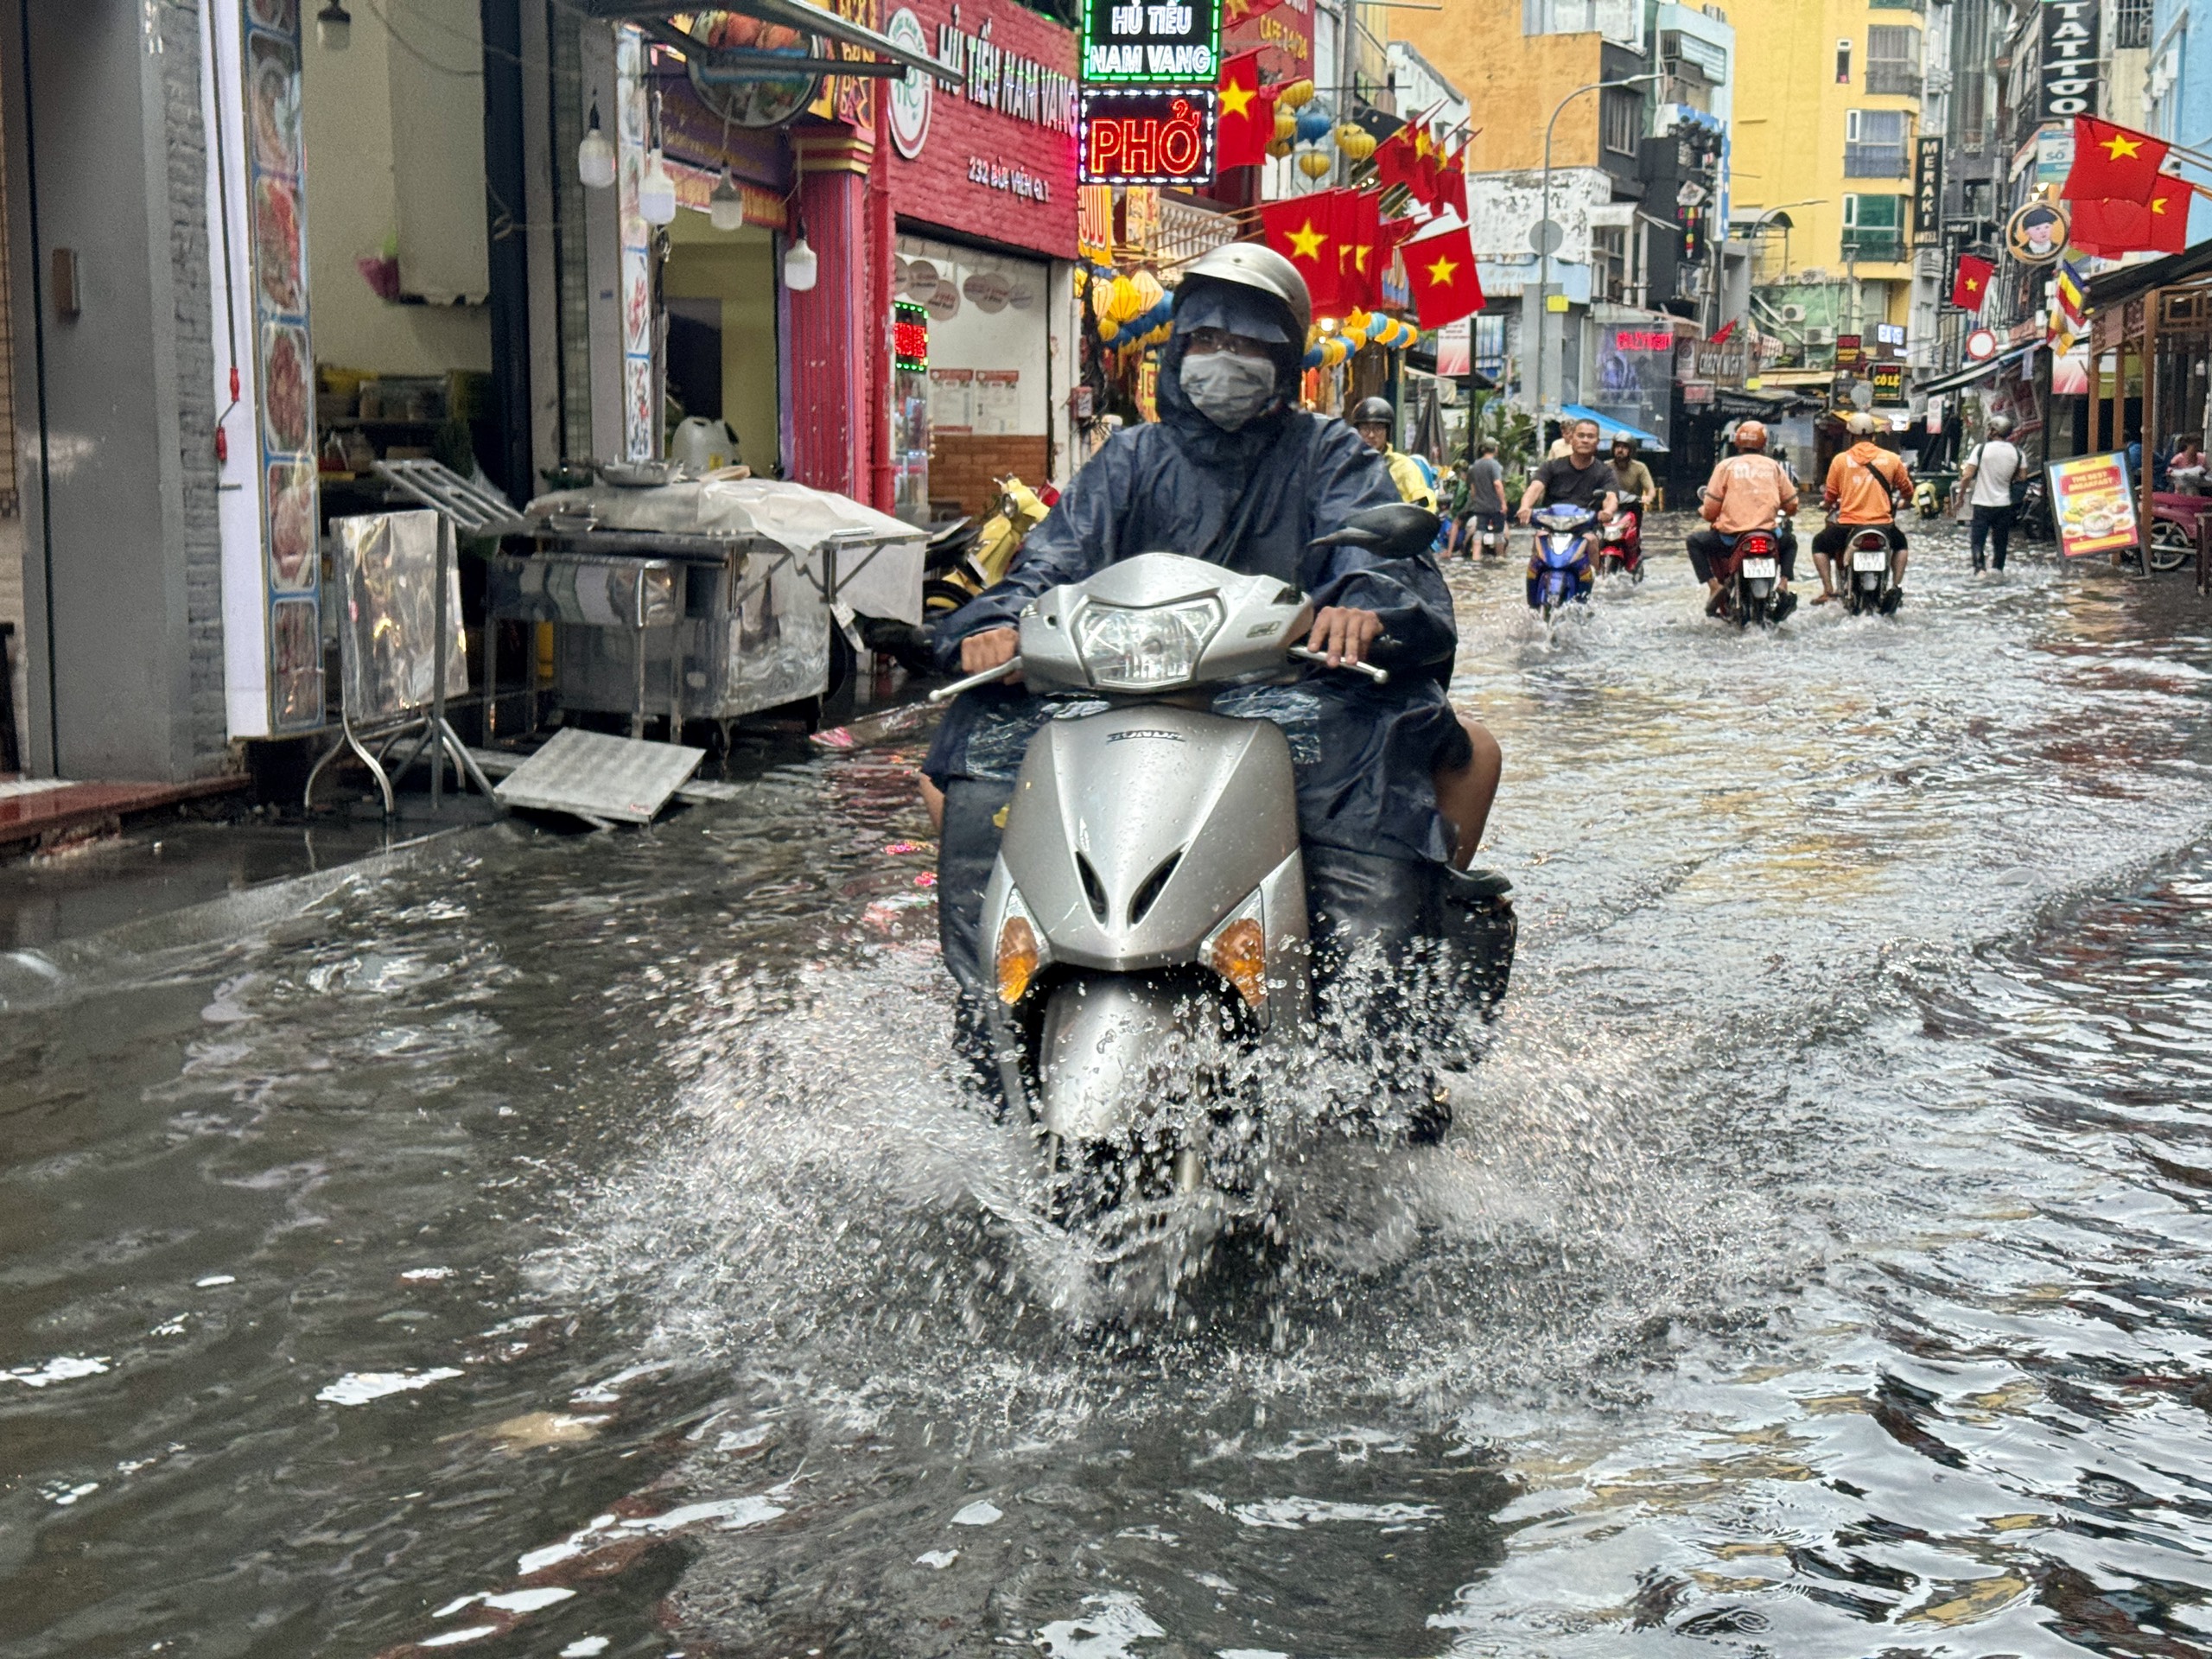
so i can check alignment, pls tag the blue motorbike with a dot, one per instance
(1561, 568)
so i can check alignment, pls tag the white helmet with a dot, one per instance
(1863, 425)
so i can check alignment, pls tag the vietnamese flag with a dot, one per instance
(1971, 286)
(1303, 229)
(1440, 269)
(2110, 228)
(1247, 121)
(1452, 183)
(1394, 159)
(1360, 246)
(1421, 177)
(2112, 164)
(1242, 11)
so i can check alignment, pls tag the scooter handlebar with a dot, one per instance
(947, 693)
(1380, 675)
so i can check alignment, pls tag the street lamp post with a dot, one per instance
(1544, 234)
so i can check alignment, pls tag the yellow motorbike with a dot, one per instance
(961, 561)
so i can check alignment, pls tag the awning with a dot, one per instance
(1979, 371)
(893, 60)
(2111, 287)
(1609, 429)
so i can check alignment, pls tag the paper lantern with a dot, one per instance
(1356, 141)
(1313, 125)
(1356, 321)
(1279, 148)
(1314, 164)
(1296, 95)
(1333, 351)
(1108, 330)
(1379, 327)
(1286, 124)
(1312, 359)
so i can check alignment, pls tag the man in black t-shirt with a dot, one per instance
(1575, 480)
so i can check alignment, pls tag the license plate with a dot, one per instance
(1870, 558)
(1762, 570)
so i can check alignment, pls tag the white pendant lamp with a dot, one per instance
(655, 191)
(726, 208)
(594, 156)
(801, 268)
(333, 26)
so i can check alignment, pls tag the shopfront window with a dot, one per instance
(981, 410)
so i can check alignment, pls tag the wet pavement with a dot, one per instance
(575, 1246)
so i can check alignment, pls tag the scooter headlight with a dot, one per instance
(1142, 650)
(1019, 952)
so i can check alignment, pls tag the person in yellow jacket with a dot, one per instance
(1374, 419)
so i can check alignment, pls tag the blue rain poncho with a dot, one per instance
(1253, 500)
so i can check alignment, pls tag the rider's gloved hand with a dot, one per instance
(1344, 634)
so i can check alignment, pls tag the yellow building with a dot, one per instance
(1827, 111)
(1513, 78)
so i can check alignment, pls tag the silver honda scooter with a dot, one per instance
(1146, 922)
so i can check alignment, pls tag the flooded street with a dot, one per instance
(577, 1246)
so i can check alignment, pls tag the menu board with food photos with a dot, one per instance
(2093, 503)
(283, 363)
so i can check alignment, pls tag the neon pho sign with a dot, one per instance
(1146, 137)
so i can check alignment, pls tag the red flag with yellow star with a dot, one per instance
(1247, 121)
(1362, 256)
(1440, 269)
(1970, 287)
(2112, 164)
(1303, 229)
(1242, 11)
(2110, 228)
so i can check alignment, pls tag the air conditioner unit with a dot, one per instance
(1792, 314)
(1819, 336)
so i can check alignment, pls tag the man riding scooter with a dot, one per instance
(1393, 788)
(1864, 486)
(1749, 490)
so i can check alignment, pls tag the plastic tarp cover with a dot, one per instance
(794, 516)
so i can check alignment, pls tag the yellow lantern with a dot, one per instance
(1333, 351)
(1286, 126)
(1109, 329)
(1279, 148)
(1314, 164)
(1356, 321)
(1149, 292)
(1356, 141)
(1295, 95)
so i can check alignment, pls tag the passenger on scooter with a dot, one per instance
(1374, 419)
(1393, 787)
(1749, 490)
(1863, 485)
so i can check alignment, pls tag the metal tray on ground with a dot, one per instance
(598, 777)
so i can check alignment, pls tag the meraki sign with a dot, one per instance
(1174, 43)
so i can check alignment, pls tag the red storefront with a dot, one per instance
(982, 184)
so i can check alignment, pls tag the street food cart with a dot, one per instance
(700, 599)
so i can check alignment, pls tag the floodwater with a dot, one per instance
(576, 1248)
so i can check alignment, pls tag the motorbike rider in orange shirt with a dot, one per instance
(1863, 487)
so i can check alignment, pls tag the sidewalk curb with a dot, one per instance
(140, 950)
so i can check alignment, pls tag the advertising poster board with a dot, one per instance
(283, 366)
(2092, 504)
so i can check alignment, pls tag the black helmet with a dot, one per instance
(1374, 411)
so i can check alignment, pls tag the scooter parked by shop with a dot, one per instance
(959, 563)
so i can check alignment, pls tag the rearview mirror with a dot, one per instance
(1401, 530)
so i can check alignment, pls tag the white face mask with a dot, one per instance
(1229, 390)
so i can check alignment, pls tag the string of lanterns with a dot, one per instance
(1325, 348)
